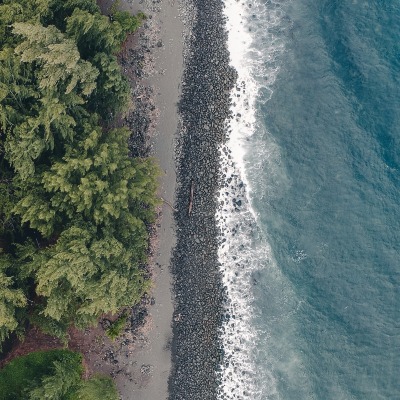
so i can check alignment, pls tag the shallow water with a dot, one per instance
(311, 257)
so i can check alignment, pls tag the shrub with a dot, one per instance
(117, 327)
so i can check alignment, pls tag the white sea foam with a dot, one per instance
(243, 250)
(255, 50)
(240, 254)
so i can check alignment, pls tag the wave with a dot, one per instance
(243, 249)
(240, 254)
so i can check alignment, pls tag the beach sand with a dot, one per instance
(147, 369)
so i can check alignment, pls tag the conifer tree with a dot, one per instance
(112, 92)
(98, 180)
(61, 384)
(98, 387)
(12, 11)
(94, 33)
(128, 22)
(61, 66)
(36, 210)
(11, 299)
(81, 277)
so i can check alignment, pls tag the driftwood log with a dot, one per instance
(169, 204)
(191, 199)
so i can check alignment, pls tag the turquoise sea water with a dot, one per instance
(321, 162)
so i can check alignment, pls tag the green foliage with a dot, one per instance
(58, 61)
(34, 207)
(8, 223)
(52, 375)
(25, 373)
(117, 327)
(49, 325)
(61, 383)
(112, 93)
(98, 387)
(11, 298)
(74, 208)
(127, 22)
(63, 9)
(93, 178)
(81, 276)
(94, 33)
(18, 11)
(114, 7)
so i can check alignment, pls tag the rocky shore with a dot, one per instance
(199, 293)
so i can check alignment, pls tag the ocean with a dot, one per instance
(310, 213)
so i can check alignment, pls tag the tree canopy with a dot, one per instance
(74, 207)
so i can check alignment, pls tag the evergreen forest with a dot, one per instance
(74, 207)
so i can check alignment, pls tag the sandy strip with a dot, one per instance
(153, 361)
(146, 377)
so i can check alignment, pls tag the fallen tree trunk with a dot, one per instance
(191, 199)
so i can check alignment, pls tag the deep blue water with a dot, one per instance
(323, 166)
